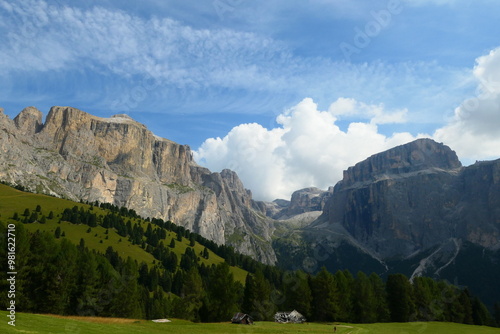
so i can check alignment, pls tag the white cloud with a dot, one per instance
(54, 37)
(307, 149)
(474, 130)
(349, 107)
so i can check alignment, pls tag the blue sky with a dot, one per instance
(287, 93)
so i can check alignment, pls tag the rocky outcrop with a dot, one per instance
(302, 201)
(415, 197)
(118, 160)
(421, 154)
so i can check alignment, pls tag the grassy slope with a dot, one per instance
(34, 323)
(12, 200)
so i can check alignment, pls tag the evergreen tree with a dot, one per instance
(177, 282)
(497, 313)
(85, 298)
(324, 296)
(126, 301)
(344, 286)
(480, 314)
(380, 294)
(297, 292)
(423, 297)
(399, 297)
(57, 232)
(192, 290)
(223, 294)
(365, 304)
(257, 297)
(51, 215)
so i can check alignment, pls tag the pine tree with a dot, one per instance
(223, 294)
(380, 294)
(345, 287)
(365, 304)
(497, 313)
(192, 290)
(57, 232)
(399, 297)
(324, 296)
(297, 292)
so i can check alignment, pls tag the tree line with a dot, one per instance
(58, 277)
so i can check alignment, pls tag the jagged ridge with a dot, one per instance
(118, 160)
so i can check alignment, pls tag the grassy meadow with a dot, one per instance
(36, 323)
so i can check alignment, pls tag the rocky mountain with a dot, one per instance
(412, 209)
(117, 160)
(304, 200)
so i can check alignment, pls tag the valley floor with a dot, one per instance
(37, 323)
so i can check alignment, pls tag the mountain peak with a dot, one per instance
(417, 155)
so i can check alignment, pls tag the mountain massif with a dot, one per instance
(117, 160)
(412, 209)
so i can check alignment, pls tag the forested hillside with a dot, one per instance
(98, 259)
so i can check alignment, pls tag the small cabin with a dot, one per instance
(289, 317)
(242, 318)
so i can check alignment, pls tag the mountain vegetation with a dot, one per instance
(57, 275)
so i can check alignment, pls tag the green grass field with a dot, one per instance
(13, 200)
(35, 323)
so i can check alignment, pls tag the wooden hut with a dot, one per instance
(242, 318)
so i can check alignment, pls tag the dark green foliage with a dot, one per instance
(223, 294)
(57, 232)
(88, 283)
(399, 297)
(297, 292)
(496, 309)
(257, 299)
(324, 293)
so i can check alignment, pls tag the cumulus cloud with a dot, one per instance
(473, 132)
(307, 149)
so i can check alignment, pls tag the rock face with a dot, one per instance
(414, 197)
(302, 201)
(118, 160)
(414, 210)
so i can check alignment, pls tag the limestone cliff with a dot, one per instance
(118, 160)
(415, 197)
